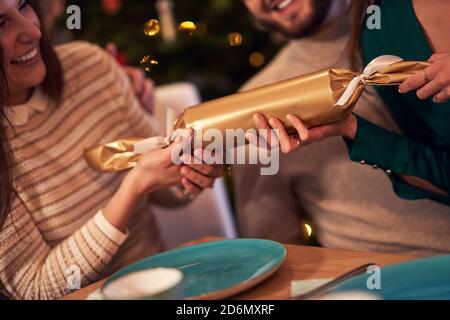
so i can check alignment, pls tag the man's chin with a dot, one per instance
(293, 33)
(301, 31)
(306, 26)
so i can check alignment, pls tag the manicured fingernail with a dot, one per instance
(304, 135)
(272, 122)
(257, 118)
(400, 90)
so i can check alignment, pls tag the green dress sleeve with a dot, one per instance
(424, 148)
(382, 149)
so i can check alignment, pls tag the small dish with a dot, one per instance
(150, 284)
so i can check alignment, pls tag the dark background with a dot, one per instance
(206, 58)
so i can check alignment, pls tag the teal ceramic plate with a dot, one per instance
(424, 279)
(217, 270)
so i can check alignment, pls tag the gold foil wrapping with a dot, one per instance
(114, 156)
(312, 98)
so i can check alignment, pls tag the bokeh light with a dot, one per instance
(235, 39)
(148, 63)
(152, 28)
(257, 59)
(187, 27)
(308, 229)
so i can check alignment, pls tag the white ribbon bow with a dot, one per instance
(373, 67)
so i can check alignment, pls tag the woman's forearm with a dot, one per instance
(121, 207)
(423, 184)
(374, 146)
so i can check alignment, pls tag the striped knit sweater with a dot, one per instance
(56, 226)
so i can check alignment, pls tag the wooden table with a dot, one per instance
(301, 263)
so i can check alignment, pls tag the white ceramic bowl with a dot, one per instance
(151, 284)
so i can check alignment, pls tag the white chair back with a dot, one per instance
(208, 215)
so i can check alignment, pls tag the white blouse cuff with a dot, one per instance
(109, 230)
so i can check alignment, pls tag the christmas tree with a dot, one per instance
(222, 53)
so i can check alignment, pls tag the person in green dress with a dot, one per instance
(419, 160)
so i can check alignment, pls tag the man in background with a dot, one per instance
(351, 206)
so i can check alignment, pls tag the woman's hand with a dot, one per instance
(197, 177)
(346, 128)
(303, 136)
(156, 170)
(434, 81)
(144, 88)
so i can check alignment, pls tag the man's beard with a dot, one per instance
(320, 11)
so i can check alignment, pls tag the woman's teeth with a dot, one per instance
(27, 57)
(284, 4)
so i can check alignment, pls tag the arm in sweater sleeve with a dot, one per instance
(30, 268)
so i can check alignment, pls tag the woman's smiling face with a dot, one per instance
(20, 33)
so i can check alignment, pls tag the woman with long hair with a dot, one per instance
(59, 218)
(418, 162)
